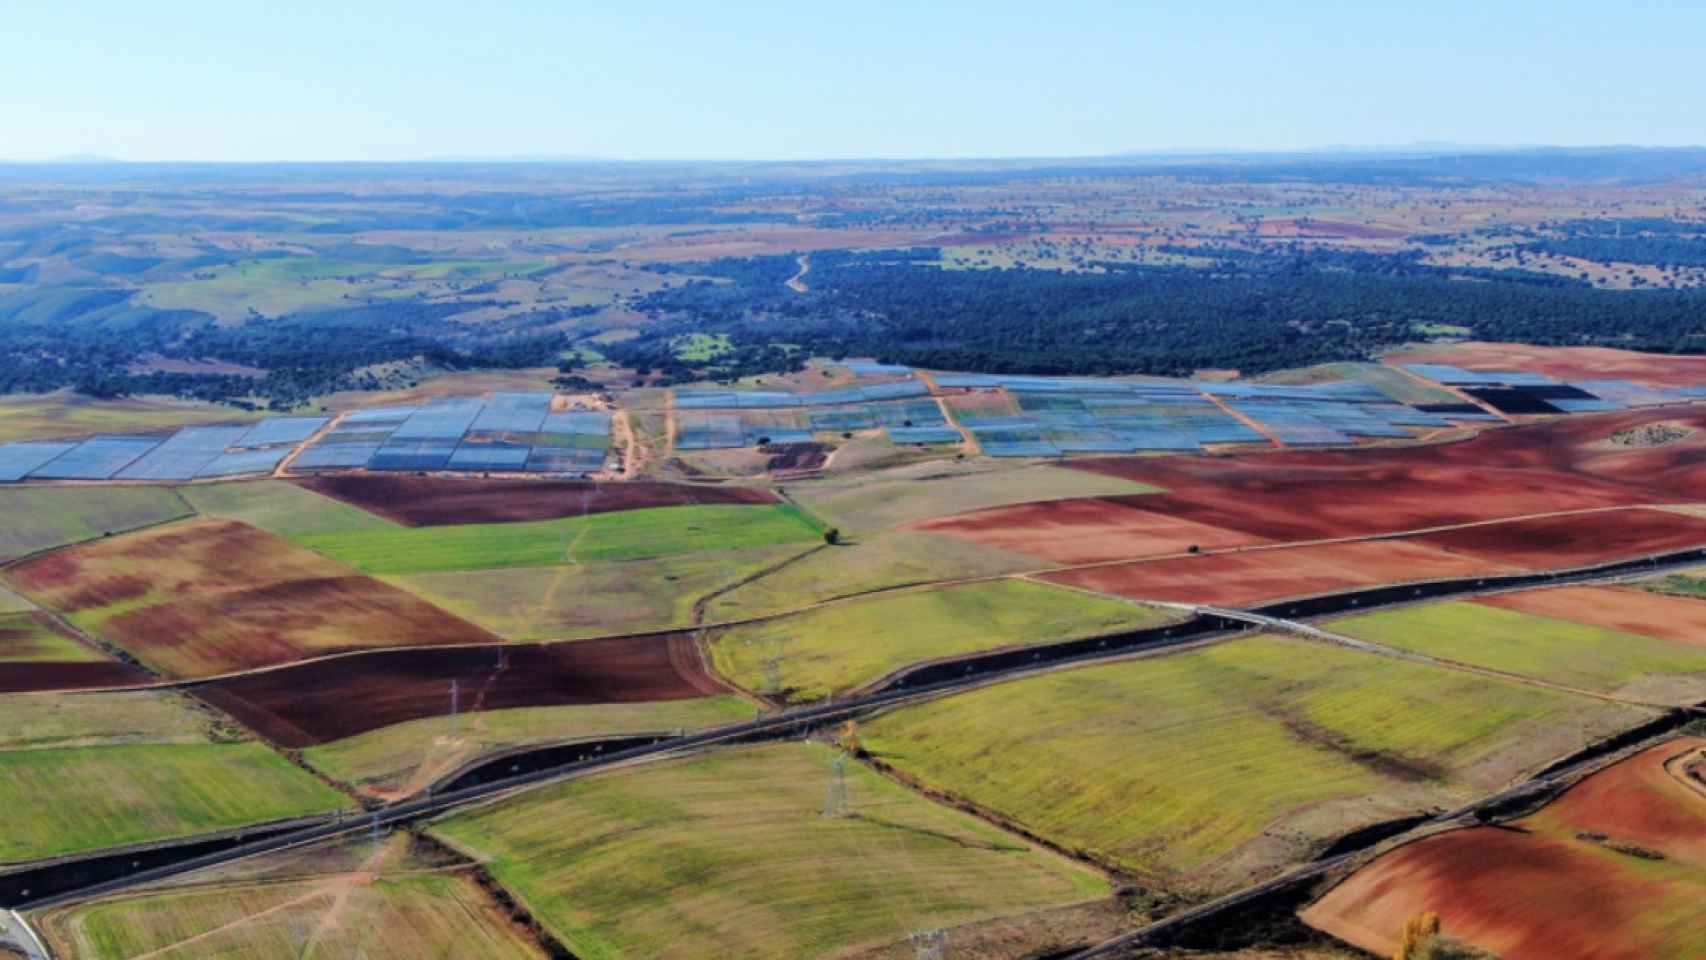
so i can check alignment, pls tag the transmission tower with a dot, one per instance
(835, 801)
(455, 723)
(930, 944)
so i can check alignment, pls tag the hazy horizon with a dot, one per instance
(762, 81)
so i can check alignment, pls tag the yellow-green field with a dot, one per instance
(39, 518)
(64, 414)
(625, 535)
(406, 757)
(1545, 648)
(378, 907)
(33, 638)
(847, 644)
(877, 501)
(730, 856)
(592, 599)
(87, 771)
(1203, 769)
(861, 564)
(281, 508)
(12, 603)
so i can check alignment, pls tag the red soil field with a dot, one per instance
(1573, 540)
(445, 501)
(1615, 608)
(1258, 576)
(327, 700)
(1550, 886)
(213, 596)
(1566, 363)
(1084, 530)
(1563, 464)
(55, 675)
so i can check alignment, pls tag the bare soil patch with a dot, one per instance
(1573, 540)
(1259, 576)
(1615, 608)
(327, 700)
(444, 501)
(1611, 869)
(1565, 363)
(1085, 530)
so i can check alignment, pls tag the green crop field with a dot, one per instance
(1545, 648)
(33, 638)
(864, 563)
(374, 905)
(729, 855)
(627, 535)
(583, 600)
(88, 771)
(843, 645)
(281, 508)
(1691, 583)
(12, 603)
(64, 801)
(39, 518)
(1200, 770)
(405, 757)
(890, 498)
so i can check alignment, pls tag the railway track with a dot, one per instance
(928, 681)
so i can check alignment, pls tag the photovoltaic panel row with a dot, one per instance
(870, 368)
(1294, 425)
(513, 413)
(762, 435)
(392, 415)
(19, 460)
(709, 431)
(595, 422)
(97, 458)
(442, 419)
(565, 460)
(430, 453)
(489, 457)
(233, 463)
(335, 456)
(183, 455)
(941, 434)
(281, 430)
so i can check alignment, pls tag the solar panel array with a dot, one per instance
(506, 432)
(777, 400)
(19, 460)
(183, 455)
(97, 458)
(870, 368)
(904, 420)
(1537, 392)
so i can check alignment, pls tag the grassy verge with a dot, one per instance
(1545, 648)
(848, 644)
(38, 518)
(1205, 769)
(408, 756)
(730, 855)
(628, 535)
(596, 599)
(280, 508)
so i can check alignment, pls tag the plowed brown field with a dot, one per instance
(444, 501)
(1616, 608)
(1554, 885)
(327, 700)
(1085, 530)
(1563, 464)
(1258, 576)
(214, 596)
(1576, 540)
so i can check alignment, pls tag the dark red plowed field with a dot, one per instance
(1260, 576)
(445, 501)
(55, 675)
(1085, 530)
(1562, 884)
(1564, 464)
(327, 700)
(1576, 540)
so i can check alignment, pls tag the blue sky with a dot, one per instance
(310, 80)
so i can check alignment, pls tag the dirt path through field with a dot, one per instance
(797, 282)
(315, 894)
(313, 438)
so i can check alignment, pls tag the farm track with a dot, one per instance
(929, 682)
(193, 682)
